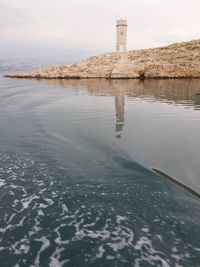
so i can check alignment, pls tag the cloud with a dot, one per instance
(89, 24)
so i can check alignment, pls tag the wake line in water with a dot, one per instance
(136, 167)
(175, 181)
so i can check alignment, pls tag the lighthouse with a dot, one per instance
(121, 35)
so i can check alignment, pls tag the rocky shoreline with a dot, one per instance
(181, 60)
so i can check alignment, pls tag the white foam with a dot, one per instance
(40, 213)
(110, 257)
(55, 258)
(2, 183)
(120, 219)
(145, 229)
(43, 206)
(27, 201)
(45, 245)
(100, 253)
(49, 201)
(54, 263)
(65, 209)
(149, 255)
(58, 240)
(21, 247)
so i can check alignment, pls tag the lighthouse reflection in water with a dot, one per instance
(119, 105)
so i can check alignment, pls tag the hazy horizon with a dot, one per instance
(76, 29)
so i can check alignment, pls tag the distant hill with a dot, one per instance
(22, 65)
(180, 60)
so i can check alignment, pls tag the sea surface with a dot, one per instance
(78, 173)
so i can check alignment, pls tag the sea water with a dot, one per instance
(78, 185)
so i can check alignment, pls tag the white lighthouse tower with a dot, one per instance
(121, 35)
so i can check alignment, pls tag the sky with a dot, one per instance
(73, 29)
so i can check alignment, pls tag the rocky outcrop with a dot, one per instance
(180, 60)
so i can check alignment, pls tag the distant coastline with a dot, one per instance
(181, 60)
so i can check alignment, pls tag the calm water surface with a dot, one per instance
(76, 180)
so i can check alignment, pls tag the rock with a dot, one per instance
(180, 60)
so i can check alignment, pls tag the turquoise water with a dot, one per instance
(77, 186)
